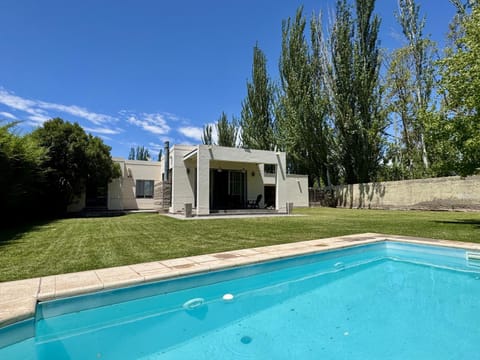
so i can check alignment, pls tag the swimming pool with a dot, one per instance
(386, 300)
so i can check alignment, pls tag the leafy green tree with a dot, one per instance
(354, 90)
(22, 177)
(73, 159)
(100, 167)
(303, 131)
(463, 7)
(257, 119)
(227, 131)
(460, 82)
(411, 85)
(160, 153)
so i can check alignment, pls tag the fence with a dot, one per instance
(447, 193)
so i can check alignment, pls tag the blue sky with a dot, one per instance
(145, 71)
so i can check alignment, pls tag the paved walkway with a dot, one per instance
(18, 299)
(227, 216)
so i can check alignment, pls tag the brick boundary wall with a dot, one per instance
(446, 193)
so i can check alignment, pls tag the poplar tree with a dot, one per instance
(207, 135)
(302, 128)
(420, 59)
(142, 153)
(139, 153)
(257, 121)
(227, 131)
(131, 155)
(354, 90)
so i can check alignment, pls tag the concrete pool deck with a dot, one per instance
(18, 299)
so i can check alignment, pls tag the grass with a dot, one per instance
(70, 245)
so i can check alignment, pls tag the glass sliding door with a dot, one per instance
(228, 189)
(237, 189)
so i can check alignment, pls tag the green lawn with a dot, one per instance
(79, 244)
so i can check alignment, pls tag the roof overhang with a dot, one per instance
(192, 154)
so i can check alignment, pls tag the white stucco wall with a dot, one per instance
(236, 159)
(191, 165)
(297, 190)
(121, 192)
(183, 181)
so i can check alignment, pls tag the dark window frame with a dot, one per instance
(144, 189)
(270, 169)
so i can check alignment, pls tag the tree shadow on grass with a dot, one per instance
(13, 230)
(473, 222)
(9, 233)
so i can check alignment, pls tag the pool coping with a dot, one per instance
(18, 299)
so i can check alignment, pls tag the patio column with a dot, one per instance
(203, 180)
(281, 183)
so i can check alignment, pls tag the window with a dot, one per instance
(269, 169)
(144, 189)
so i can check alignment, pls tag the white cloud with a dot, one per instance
(103, 137)
(103, 130)
(156, 147)
(38, 119)
(153, 123)
(7, 115)
(80, 112)
(197, 132)
(191, 132)
(36, 115)
(37, 110)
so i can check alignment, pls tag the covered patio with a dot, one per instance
(217, 179)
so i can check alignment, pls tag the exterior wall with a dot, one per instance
(188, 171)
(447, 193)
(121, 192)
(235, 158)
(297, 190)
(183, 178)
(253, 176)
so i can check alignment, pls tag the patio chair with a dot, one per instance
(255, 204)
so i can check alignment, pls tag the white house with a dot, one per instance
(209, 179)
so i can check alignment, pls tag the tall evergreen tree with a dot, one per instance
(257, 121)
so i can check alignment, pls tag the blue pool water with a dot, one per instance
(382, 301)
